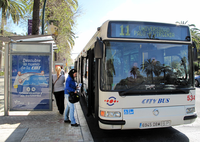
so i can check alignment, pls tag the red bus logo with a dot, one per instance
(111, 101)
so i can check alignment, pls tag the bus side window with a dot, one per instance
(86, 68)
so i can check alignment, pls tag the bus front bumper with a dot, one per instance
(138, 123)
(113, 122)
(190, 117)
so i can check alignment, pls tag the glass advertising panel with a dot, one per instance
(30, 88)
(148, 30)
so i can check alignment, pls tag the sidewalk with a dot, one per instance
(41, 126)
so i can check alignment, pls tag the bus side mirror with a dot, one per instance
(75, 65)
(194, 52)
(98, 49)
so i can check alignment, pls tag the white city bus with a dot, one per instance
(138, 75)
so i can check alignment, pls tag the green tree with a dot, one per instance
(11, 8)
(195, 35)
(195, 32)
(65, 12)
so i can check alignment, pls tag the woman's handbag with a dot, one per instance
(73, 97)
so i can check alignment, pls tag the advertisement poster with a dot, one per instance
(30, 82)
(52, 28)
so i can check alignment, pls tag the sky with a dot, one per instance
(93, 13)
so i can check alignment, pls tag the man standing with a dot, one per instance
(62, 71)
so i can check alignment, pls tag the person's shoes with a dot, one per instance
(75, 125)
(67, 121)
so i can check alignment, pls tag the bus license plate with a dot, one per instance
(165, 123)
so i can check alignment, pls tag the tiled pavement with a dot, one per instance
(41, 126)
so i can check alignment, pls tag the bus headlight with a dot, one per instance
(190, 110)
(110, 113)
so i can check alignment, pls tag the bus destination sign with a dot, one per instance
(147, 30)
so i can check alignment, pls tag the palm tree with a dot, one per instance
(148, 67)
(195, 35)
(65, 12)
(13, 8)
(36, 17)
(151, 66)
(157, 68)
(182, 22)
(195, 32)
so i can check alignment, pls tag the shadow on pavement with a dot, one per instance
(17, 135)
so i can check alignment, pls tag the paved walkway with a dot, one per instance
(41, 126)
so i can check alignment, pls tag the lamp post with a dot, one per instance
(43, 11)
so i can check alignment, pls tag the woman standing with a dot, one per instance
(70, 86)
(59, 81)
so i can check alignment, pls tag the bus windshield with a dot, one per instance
(146, 67)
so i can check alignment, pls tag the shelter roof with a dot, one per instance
(30, 38)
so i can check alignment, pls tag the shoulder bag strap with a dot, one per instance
(57, 79)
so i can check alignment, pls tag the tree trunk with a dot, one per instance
(36, 20)
(3, 15)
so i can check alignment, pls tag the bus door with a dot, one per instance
(91, 82)
(82, 71)
(79, 70)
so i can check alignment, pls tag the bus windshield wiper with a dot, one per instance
(185, 90)
(174, 90)
(124, 92)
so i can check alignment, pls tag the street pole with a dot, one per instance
(6, 96)
(43, 14)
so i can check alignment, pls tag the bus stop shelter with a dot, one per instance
(28, 68)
